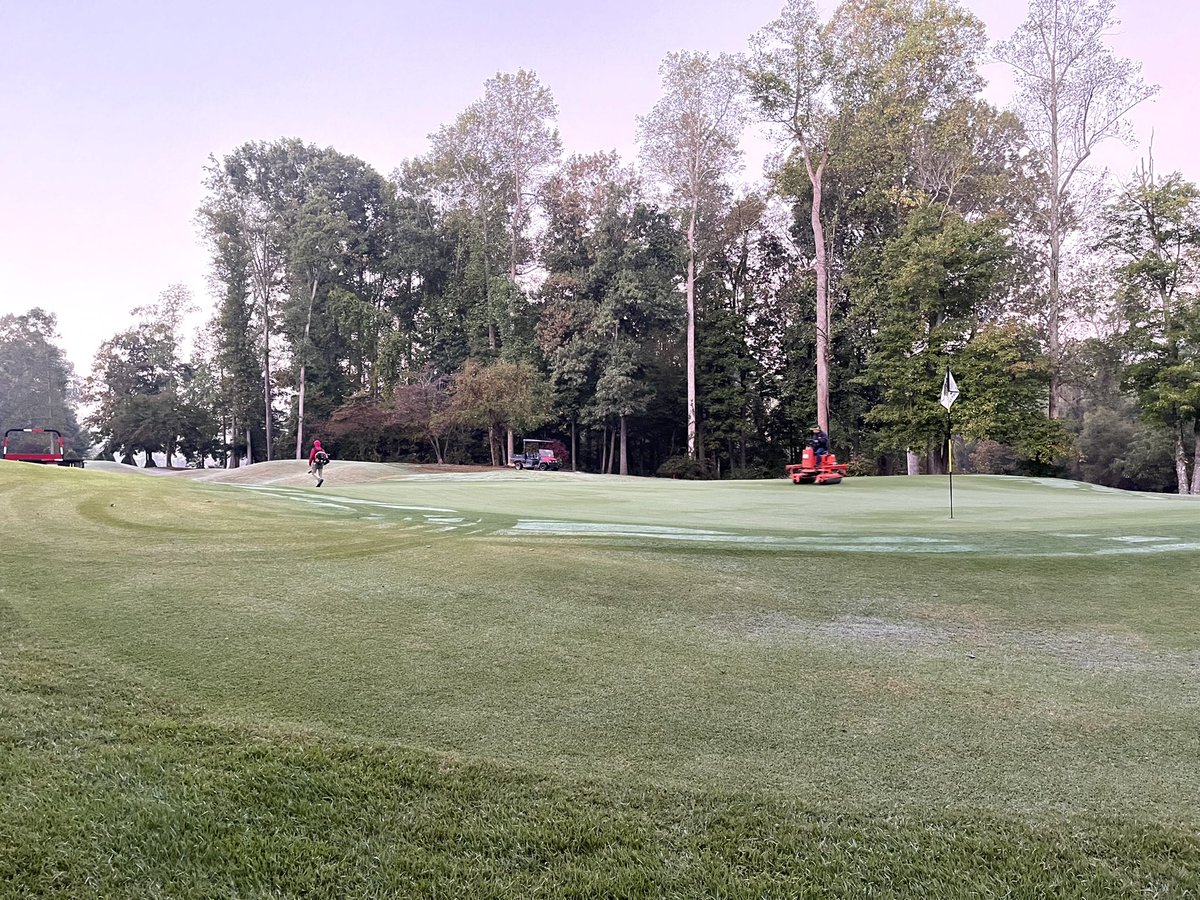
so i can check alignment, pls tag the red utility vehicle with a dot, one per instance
(810, 470)
(38, 445)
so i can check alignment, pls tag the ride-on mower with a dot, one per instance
(811, 470)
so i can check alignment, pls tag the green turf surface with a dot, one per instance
(702, 682)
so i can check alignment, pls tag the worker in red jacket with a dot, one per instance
(317, 457)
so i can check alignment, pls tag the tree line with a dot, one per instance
(659, 318)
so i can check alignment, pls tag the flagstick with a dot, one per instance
(949, 395)
(950, 457)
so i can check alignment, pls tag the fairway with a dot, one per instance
(1024, 678)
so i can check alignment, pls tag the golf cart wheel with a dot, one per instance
(541, 467)
(519, 465)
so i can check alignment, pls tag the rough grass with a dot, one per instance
(238, 693)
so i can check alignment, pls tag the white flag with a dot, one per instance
(949, 390)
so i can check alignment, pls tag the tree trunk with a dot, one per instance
(487, 290)
(1181, 467)
(820, 263)
(604, 451)
(267, 388)
(691, 333)
(229, 427)
(516, 217)
(624, 470)
(1195, 463)
(1055, 223)
(249, 449)
(573, 469)
(312, 296)
(510, 446)
(937, 458)
(612, 451)
(1052, 309)
(913, 461)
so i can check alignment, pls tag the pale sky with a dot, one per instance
(109, 109)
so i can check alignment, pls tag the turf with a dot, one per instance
(555, 685)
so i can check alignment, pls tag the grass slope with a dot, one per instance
(515, 685)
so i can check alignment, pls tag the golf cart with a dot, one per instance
(536, 455)
(36, 445)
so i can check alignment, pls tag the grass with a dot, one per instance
(451, 687)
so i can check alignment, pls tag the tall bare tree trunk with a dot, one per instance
(912, 462)
(1181, 468)
(312, 296)
(228, 427)
(820, 263)
(267, 382)
(1195, 461)
(1053, 307)
(573, 468)
(691, 332)
(612, 451)
(624, 470)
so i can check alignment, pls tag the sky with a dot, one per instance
(111, 109)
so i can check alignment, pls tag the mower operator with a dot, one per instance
(819, 442)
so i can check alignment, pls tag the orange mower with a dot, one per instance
(811, 470)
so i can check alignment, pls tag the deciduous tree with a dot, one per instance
(1152, 231)
(1074, 93)
(36, 380)
(689, 142)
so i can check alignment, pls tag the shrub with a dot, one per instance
(682, 467)
(861, 466)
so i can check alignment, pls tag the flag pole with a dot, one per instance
(950, 457)
(949, 395)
